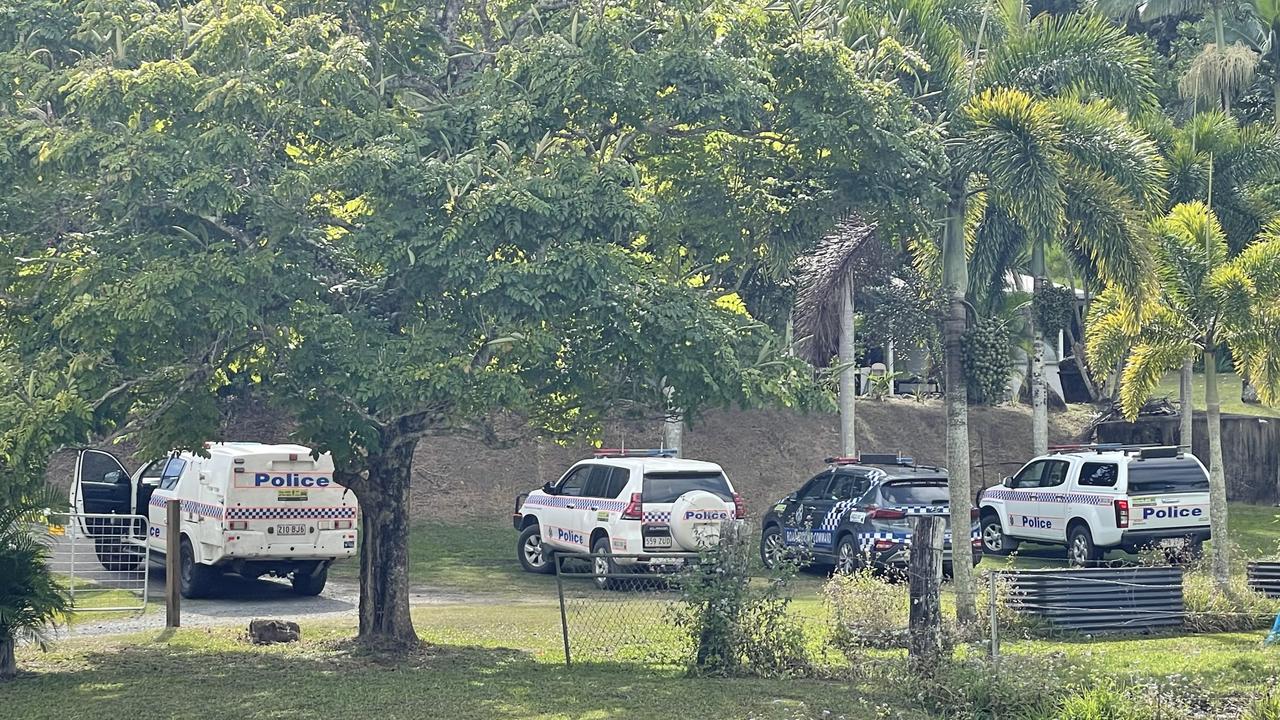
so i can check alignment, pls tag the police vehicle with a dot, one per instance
(625, 502)
(858, 512)
(1092, 498)
(247, 508)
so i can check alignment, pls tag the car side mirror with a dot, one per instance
(115, 477)
(1007, 482)
(549, 488)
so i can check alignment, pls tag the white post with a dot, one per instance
(848, 372)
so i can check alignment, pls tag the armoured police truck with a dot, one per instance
(247, 508)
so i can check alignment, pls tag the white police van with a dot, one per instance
(1094, 497)
(247, 508)
(628, 502)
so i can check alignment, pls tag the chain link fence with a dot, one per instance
(616, 608)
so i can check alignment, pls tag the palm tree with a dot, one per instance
(1203, 300)
(1259, 27)
(1031, 152)
(30, 598)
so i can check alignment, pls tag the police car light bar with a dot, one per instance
(871, 459)
(1165, 451)
(620, 453)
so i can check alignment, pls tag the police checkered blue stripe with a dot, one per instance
(579, 503)
(190, 506)
(867, 540)
(1047, 495)
(836, 515)
(663, 516)
(923, 509)
(291, 513)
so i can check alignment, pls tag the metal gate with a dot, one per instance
(103, 559)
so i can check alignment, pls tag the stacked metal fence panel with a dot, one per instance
(1097, 600)
(1265, 578)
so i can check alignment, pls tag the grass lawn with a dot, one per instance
(503, 662)
(1228, 394)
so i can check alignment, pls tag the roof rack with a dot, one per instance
(1143, 451)
(644, 452)
(871, 459)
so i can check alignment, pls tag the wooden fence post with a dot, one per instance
(173, 564)
(925, 576)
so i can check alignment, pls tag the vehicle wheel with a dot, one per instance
(1081, 552)
(194, 580)
(602, 565)
(847, 557)
(310, 584)
(994, 540)
(772, 547)
(534, 557)
(116, 555)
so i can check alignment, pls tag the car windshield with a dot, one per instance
(1173, 475)
(666, 487)
(925, 491)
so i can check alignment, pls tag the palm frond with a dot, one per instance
(1218, 73)
(1147, 365)
(1105, 226)
(926, 27)
(1189, 245)
(1112, 324)
(999, 245)
(1075, 53)
(1100, 137)
(852, 248)
(1015, 141)
(1152, 10)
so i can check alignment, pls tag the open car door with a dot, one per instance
(100, 490)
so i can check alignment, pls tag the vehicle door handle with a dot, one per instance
(594, 507)
(1059, 497)
(569, 506)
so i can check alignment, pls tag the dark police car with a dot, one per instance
(857, 512)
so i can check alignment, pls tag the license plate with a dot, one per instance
(657, 542)
(1172, 543)
(291, 529)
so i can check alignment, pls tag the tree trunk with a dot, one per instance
(673, 431)
(955, 275)
(8, 662)
(848, 373)
(384, 548)
(1217, 475)
(1039, 401)
(924, 572)
(1186, 404)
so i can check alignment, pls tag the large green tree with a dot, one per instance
(400, 220)
(1201, 301)
(1039, 152)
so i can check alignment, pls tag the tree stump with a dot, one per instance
(925, 577)
(269, 632)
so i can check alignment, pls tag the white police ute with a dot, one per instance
(1092, 498)
(247, 508)
(622, 504)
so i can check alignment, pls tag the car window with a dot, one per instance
(618, 480)
(1030, 475)
(667, 487)
(597, 482)
(573, 482)
(172, 471)
(817, 488)
(925, 491)
(151, 474)
(850, 486)
(1173, 475)
(1055, 473)
(1099, 474)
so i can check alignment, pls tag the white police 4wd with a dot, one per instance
(626, 503)
(248, 508)
(1092, 498)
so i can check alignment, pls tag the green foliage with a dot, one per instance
(1102, 701)
(1266, 707)
(31, 599)
(866, 611)
(1054, 308)
(1212, 608)
(736, 627)
(987, 345)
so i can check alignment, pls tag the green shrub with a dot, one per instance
(866, 611)
(1210, 609)
(1101, 702)
(1266, 707)
(1018, 686)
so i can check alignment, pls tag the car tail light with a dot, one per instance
(635, 509)
(885, 514)
(739, 507)
(342, 524)
(237, 525)
(885, 544)
(973, 513)
(1122, 513)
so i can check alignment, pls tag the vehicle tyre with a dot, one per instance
(603, 566)
(1081, 552)
(772, 547)
(533, 555)
(848, 559)
(194, 580)
(116, 555)
(994, 541)
(310, 584)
